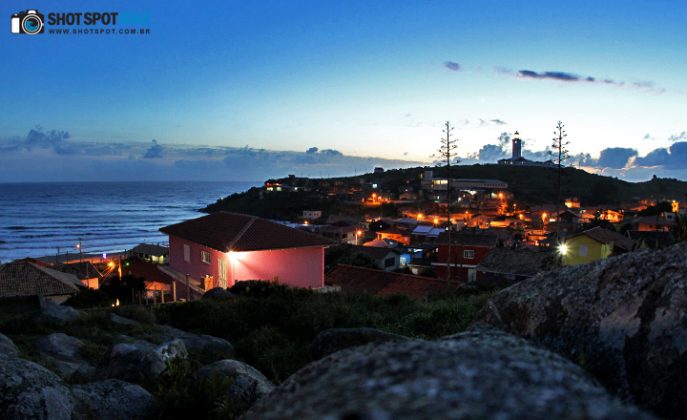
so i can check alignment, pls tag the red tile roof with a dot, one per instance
(226, 232)
(470, 237)
(606, 236)
(23, 278)
(382, 283)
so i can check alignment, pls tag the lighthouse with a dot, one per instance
(517, 146)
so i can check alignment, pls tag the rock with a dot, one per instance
(478, 374)
(63, 353)
(30, 391)
(112, 400)
(623, 319)
(335, 339)
(138, 362)
(171, 350)
(59, 315)
(7, 347)
(121, 321)
(218, 293)
(246, 383)
(207, 348)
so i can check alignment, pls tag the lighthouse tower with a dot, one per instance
(517, 146)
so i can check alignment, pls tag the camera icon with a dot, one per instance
(29, 22)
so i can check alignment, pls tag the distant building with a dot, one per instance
(517, 158)
(156, 254)
(85, 271)
(469, 248)
(595, 244)
(383, 257)
(504, 266)
(312, 214)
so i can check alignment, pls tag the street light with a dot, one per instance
(357, 235)
(563, 249)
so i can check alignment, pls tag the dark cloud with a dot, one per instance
(312, 150)
(452, 65)
(678, 137)
(331, 153)
(553, 75)
(491, 153)
(498, 121)
(673, 157)
(154, 152)
(616, 157)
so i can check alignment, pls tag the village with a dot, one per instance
(379, 238)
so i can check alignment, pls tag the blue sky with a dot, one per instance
(362, 78)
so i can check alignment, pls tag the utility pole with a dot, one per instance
(560, 147)
(447, 151)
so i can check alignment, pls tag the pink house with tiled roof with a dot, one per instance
(223, 248)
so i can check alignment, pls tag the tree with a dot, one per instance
(560, 148)
(680, 228)
(447, 151)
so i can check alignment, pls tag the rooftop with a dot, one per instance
(24, 278)
(226, 232)
(382, 283)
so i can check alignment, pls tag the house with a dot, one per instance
(85, 271)
(343, 234)
(425, 234)
(651, 239)
(312, 214)
(153, 253)
(504, 266)
(468, 248)
(384, 258)
(659, 223)
(223, 248)
(382, 283)
(394, 234)
(26, 278)
(594, 244)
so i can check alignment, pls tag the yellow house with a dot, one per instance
(594, 244)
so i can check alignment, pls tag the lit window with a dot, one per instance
(469, 254)
(205, 257)
(582, 251)
(187, 253)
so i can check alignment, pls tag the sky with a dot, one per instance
(242, 90)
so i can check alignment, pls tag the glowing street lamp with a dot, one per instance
(357, 236)
(562, 249)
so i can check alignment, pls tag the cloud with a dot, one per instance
(616, 157)
(553, 75)
(570, 77)
(678, 137)
(673, 157)
(498, 121)
(155, 151)
(45, 153)
(452, 65)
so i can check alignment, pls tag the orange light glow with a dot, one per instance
(436, 221)
(420, 216)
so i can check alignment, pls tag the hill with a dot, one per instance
(531, 186)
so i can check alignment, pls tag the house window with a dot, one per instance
(205, 257)
(582, 251)
(469, 254)
(187, 253)
(472, 274)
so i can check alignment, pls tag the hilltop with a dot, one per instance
(530, 186)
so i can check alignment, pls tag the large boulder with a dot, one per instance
(57, 315)
(112, 400)
(207, 348)
(7, 347)
(245, 383)
(623, 319)
(64, 354)
(204, 348)
(478, 374)
(137, 362)
(335, 339)
(30, 391)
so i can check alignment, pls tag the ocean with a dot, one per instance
(37, 219)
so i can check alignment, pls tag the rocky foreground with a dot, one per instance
(603, 341)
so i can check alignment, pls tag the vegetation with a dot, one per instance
(272, 327)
